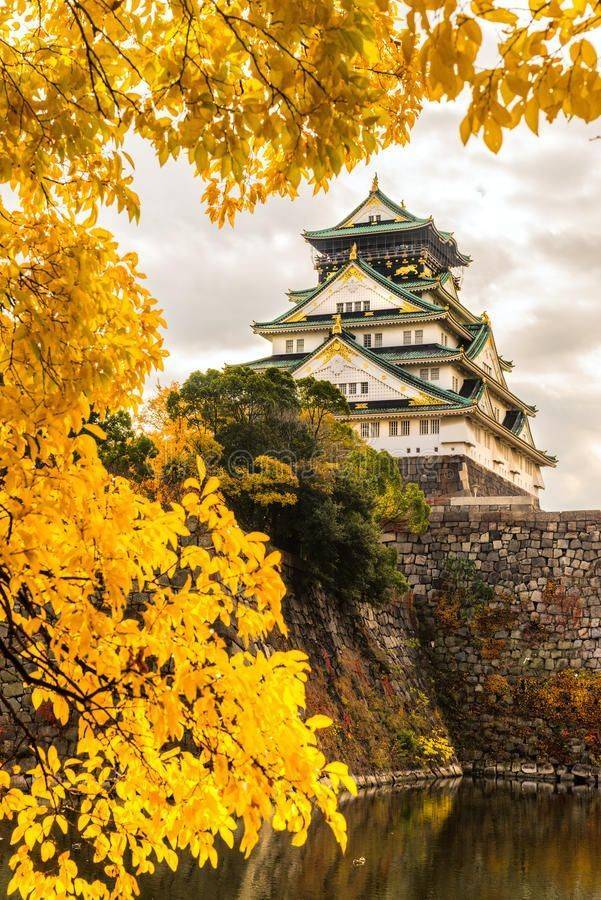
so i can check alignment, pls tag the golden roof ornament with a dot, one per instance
(353, 251)
(374, 184)
(337, 324)
(485, 318)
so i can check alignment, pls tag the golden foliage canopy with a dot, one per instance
(163, 737)
(259, 95)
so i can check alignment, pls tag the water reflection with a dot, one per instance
(452, 841)
(461, 841)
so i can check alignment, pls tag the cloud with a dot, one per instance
(529, 218)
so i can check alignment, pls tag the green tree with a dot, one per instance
(320, 399)
(125, 451)
(397, 502)
(296, 472)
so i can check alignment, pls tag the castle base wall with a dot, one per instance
(444, 477)
(509, 609)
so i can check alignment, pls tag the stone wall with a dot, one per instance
(19, 721)
(498, 657)
(370, 675)
(456, 476)
(515, 644)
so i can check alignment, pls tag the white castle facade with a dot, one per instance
(386, 325)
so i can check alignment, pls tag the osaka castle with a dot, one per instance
(385, 323)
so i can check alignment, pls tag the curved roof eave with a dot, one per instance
(390, 204)
(390, 285)
(393, 369)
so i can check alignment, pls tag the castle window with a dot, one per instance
(339, 308)
(378, 339)
(289, 346)
(435, 426)
(348, 307)
(406, 337)
(405, 427)
(423, 426)
(419, 336)
(364, 387)
(444, 339)
(455, 384)
(366, 306)
(423, 374)
(352, 388)
(375, 429)
(300, 345)
(364, 429)
(435, 374)
(358, 306)
(367, 340)
(374, 220)
(393, 428)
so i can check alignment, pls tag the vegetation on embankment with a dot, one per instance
(287, 467)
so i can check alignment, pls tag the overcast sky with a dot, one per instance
(529, 217)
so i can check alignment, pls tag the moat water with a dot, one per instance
(450, 841)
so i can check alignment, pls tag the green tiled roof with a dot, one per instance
(376, 228)
(405, 407)
(351, 320)
(278, 361)
(397, 371)
(409, 222)
(417, 351)
(420, 284)
(295, 360)
(300, 294)
(383, 198)
(481, 334)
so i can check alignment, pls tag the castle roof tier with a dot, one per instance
(392, 333)
(395, 241)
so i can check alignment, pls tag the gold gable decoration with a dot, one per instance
(426, 400)
(297, 317)
(407, 270)
(352, 272)
(336, 348)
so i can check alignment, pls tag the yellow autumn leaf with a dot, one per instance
(493, 136)
(318, 721)
(47, 850)
(531, 112)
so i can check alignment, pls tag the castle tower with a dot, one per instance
(421, 373)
